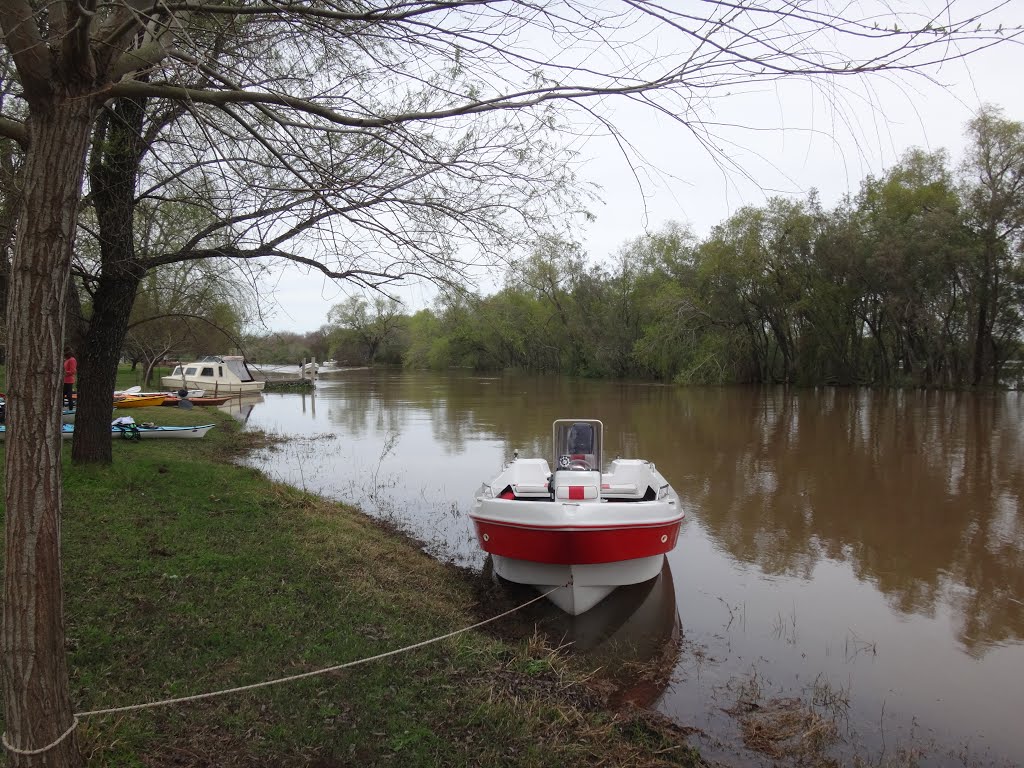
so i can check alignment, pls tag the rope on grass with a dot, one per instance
(265, 683)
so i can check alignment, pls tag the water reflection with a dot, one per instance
(632, 635)
(241, 407)
(826, 518)
(919, 492)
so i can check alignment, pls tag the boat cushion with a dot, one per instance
(576, 492)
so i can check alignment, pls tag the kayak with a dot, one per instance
(173, 401)
(138, 431)
(138, 401)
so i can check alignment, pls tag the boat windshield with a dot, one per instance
(577, 443)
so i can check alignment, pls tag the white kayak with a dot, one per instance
(138, 431)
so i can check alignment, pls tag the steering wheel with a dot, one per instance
(580, 465)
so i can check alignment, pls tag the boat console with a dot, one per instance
(577, 444)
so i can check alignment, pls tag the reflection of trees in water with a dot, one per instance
(920, 492)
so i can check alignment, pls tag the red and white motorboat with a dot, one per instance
(576, 528)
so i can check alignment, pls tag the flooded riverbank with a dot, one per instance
(859, 552)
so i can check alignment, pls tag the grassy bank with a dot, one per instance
(186, 573)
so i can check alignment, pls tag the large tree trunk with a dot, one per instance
(100, 354)
(113, 171)
(35, 682)
(10, 179)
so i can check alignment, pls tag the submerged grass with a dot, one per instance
(185, 573)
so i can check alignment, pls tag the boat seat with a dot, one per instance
(583, 492)
(525, 490)
(528, 479)
(627, 479)
(574, 485)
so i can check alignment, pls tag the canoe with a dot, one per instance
(137, 401)
(138, 432)
(173, 402)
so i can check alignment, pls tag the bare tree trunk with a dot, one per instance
(101, 352)
(35, 682)
(113, 171)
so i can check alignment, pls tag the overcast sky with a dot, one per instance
(793, 140)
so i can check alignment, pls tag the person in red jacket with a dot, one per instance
(70, 370)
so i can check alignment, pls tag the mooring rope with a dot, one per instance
(264, 684)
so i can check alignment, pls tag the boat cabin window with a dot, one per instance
(177, 371)
(207, 371)
(190, 371)
(578, 444)
(220, 371)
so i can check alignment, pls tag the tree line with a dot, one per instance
(916, 280)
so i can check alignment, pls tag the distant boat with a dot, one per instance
(217, 375)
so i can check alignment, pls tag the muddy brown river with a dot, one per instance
(850, 572)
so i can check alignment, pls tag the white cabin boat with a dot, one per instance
(216, 375)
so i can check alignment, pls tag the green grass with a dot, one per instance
(186, 573)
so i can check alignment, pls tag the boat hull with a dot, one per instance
(576, 589)
(174, 401)
(148, 433)
(163, 433)
(213, 388)
(577, 535)
(561, 542)
(139, 401)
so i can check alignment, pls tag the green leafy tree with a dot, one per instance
(372, 325)
(427, 345)
(916, 246)
(993, 174)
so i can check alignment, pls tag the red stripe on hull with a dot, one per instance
(578, 546)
